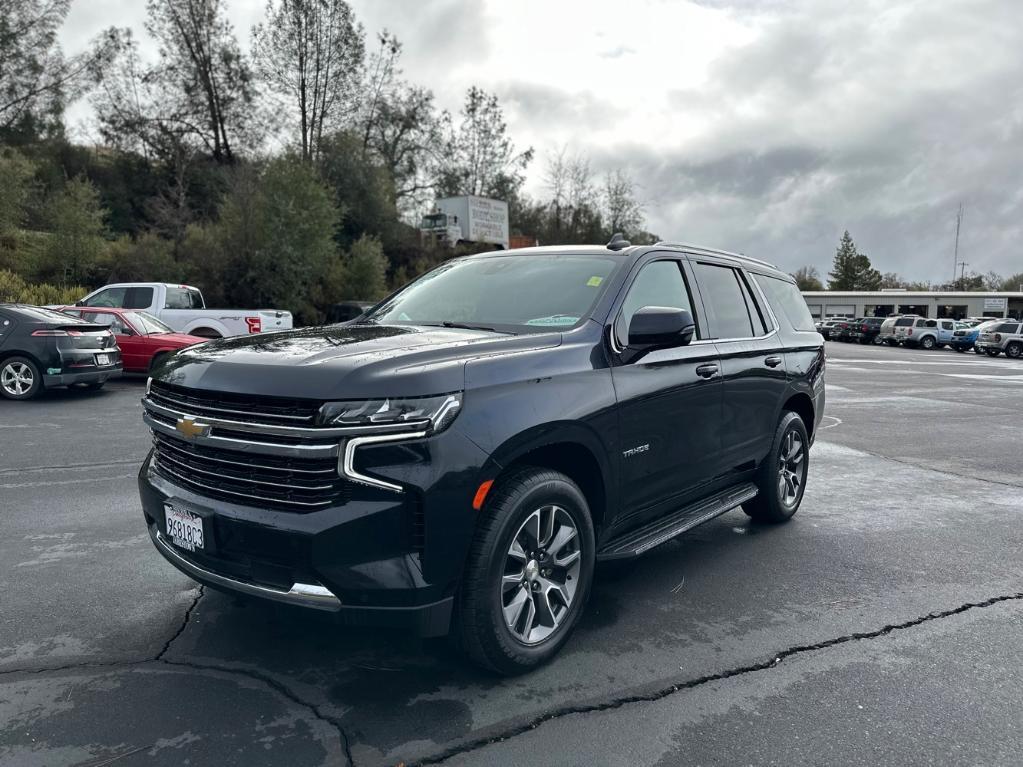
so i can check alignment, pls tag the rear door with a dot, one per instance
(752, 361)
(669, 401)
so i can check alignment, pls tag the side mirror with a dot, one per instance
(659, 327)
(79, 303)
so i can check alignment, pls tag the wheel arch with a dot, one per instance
(801, 404)
(572, 450)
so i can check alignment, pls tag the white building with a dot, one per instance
(881, 303)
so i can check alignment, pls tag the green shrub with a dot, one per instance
(13, 289)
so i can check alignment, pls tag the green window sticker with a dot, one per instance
(594, 282)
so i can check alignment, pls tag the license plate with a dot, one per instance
(184, 528)
(102, 359)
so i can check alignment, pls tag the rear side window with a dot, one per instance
(728, 315)
(926, 323)
(138, 298)
(785, 296)
(659, 283)
(903, 322)
(181, 298)
(1006, 327)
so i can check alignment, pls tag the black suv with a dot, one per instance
(460, 456)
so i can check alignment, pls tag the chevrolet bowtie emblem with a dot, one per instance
(191, 428)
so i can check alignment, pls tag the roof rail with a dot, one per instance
(720, 252)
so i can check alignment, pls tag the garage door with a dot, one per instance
(841, 310)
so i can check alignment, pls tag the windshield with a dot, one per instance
(146, 323)
(510, 293)
(435, 220)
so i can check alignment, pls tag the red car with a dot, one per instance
(142, 337)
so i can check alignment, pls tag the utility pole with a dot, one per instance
(955, 252)
(962, 275)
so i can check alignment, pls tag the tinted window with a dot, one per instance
(138, 298)
(904, 322)
(785, 296)
(926, 323)
(727, 312)
(1006, 327)
(659, 283)
(181, 298)
(111, 297)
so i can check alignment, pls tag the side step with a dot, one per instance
(654, 533)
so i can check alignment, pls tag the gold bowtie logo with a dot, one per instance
(191, 428)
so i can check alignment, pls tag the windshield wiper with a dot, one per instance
(466, 326)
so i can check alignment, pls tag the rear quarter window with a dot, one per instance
(1006, 327)
(787, 301)
(903, 322)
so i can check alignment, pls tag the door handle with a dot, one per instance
(707, 370)
(772, 362)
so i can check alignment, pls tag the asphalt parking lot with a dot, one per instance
(882, 625)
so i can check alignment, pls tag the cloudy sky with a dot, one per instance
(760, 126)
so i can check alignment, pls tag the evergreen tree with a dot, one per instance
(851, 269)
(77, 242)
(365, 271)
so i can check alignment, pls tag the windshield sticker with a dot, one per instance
(594, 282)
(557, 319)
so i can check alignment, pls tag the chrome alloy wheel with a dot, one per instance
(16, 378)
(541, 574)
(791, 469)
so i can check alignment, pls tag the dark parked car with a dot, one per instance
(865, 330)
(40, 348)
(462, 457)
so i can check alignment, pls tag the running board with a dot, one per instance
(654, 533)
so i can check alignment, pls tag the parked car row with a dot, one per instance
(985, 335)
(44, 348)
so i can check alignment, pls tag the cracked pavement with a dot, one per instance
(882, 625)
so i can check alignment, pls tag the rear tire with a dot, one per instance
(927, 342)
(20, 378)
(528, 573)
(781, 478)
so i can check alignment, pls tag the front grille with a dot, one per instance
(293, 484)
(278, 411)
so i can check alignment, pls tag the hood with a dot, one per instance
(343, 361)
(176, 339)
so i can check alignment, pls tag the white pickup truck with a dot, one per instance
(183, 308)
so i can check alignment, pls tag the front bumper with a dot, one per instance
(358, 562)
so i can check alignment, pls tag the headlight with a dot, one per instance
(431, 413)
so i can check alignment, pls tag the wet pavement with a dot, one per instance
(881, 625)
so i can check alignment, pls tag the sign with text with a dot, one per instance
(994, 304)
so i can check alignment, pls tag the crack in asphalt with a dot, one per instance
(946, 472)
(280, 688)
(184, 623)
(275, 685)
(665, 692)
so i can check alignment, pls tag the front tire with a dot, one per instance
(781, 478)
(20, 378)
(528, 574)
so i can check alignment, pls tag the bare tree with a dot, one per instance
(202, 74)
(36, 80)
(479, 156)
(622, 210)
(312, 52)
